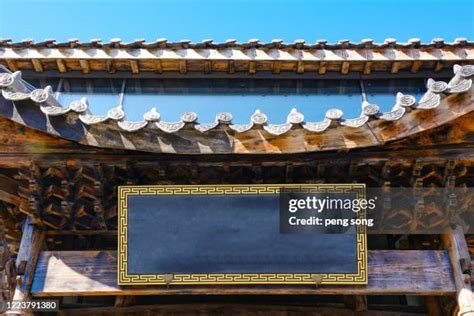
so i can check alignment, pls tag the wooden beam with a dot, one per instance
(134, 66)
(446, 52)
(182, 67)
(345, 67)
(158, 67)
(169, 74)
(415, 67)
(438, 66)
(11, 64)
(10, 198)
(73, 273)
(322, 68)
(228, 309)
(207, 66)
(276, 67)
(37, 65)
(452, 241)
(395, 67)
(61, 65)
(32, 242)
(111, 66)
(252, 67)
(85, 66)
(300, 67)
(463, 250)
(367, 67)
(230, 67)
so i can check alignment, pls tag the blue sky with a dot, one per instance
(240, 19)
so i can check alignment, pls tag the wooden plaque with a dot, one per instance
(229, 234)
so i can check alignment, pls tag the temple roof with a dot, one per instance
(161, 56)
(39, 109)
(232, 43)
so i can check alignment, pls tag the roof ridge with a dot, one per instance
(232, 43)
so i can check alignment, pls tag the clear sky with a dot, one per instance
(239, 19)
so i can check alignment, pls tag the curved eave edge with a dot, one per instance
(39, 109)
(15, 89)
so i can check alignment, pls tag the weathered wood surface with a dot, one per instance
(462, 249)
(446, 125)
(228, 309)
(31, 244)
(453, 242)
(71, 273)
(19, 144)
(7, 271)
(32, 241)
(252, 57)
(187, 136)
(63, 193)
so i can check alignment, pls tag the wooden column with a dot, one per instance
(32, 242)
(7, 270)
(455, 243)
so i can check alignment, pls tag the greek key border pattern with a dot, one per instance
(124, 278)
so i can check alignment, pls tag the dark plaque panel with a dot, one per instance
(203, 237)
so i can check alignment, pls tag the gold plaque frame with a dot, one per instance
(360, 277)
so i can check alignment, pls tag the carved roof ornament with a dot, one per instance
(257, 120)
(131, 126)
(317, 127)
(334, 114)
(222, 118)
(116, 113)
(14, 89)
(13, 86)
(295, 117)
(369, 109)
(461, 82)
(79, 106)
(189, 117)
(7, 79)
(152, 115)
(170, 127)
(405, 100)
